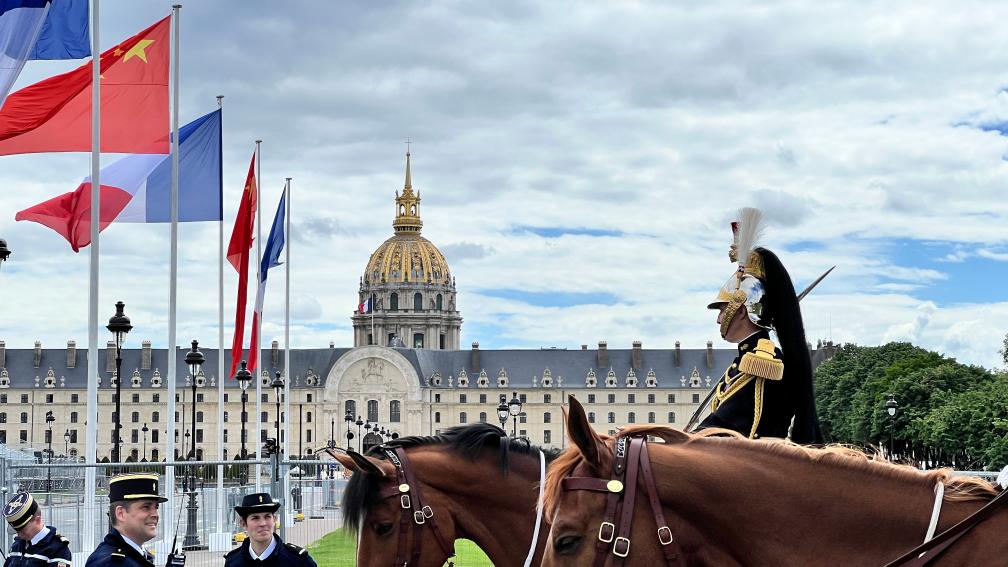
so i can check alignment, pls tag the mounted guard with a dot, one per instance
(767, 391)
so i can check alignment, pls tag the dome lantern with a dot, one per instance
(407, 219)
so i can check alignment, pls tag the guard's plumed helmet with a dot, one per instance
(747, 285)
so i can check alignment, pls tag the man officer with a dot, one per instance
(36, 544)
(133, 516)
(262, 547)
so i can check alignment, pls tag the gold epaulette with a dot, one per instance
(763, 362)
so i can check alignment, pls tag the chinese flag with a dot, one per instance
(54, 115)
(238, 255)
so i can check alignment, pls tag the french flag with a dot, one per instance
(271, 259)
(364, 307)
(137, 188)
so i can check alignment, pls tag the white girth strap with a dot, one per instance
(539, 507)
(936, 510)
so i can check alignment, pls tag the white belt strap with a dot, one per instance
(935, 511)
(539, 507)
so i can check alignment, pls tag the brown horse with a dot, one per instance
(410, 498)
(734, 502)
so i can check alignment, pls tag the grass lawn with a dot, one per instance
(338, 549)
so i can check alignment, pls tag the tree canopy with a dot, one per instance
(949, 414)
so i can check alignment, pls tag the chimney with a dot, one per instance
(110, 356)
(3, 354)
(71, 354)
(474, 357)
(145, 358)
(275, 354)
(636, 355)
(677, 355)
(584, 347)
(710, 354)
(603, 355)
(332, 344)
(38, 353)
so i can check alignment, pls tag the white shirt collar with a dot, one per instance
(39, 536)
(266, 553)
(133, 544)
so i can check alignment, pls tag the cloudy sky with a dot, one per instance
(578, 163)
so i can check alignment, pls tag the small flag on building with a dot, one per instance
(364, 307)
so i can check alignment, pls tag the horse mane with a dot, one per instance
(467, 441)
(957, 487)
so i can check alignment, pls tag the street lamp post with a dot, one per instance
(4, 251)
(194, 359)
(359, 422)
(118, 325)
(244, 378)
(348, 418)
(49, 418)
(278, 387)
(891, 407)
(145, 430)
(66, 442)
(514, 408)
(502, 412)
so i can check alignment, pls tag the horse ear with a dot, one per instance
(580, 431)
(344, 459)
(368, 465)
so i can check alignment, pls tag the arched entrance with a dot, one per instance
(370, 440)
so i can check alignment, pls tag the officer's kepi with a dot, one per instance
(133, 487)
(20, 509)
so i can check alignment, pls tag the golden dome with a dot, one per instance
(407, 256)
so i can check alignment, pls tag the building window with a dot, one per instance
(462, 398)
(437, 302)
(437, 398)
(482, 417)
(631, 398)
(3, 398)
(523, 417)
(547, 437)
(612, 398)
(262, 435)
(73, 399)
(462, 417)
(671, 398)
(265, 398)
(309, 436)
(308, 420)
(631, 417)
(135, 417)
(696, 398)
(546, 398)
(442, 341)
(226, 440)
(437, 417)
(23, 437)
(73, 417)
(591, 417)
(154, 437)
(199, 398)
(48, 398)
(264, 418)
(671, 417)
(612, 417)
(546, 417)
(156, 398)
(199, 435)
(309, 399)
(417, 302)
(591, 398)
(155, 417)
(24, 417)
(523, 398)
(136, 398)
(482, 398)
(651, 417)
(350, 407)
(417, 340)
(393, 302)
(24, 398)
(176, 417)
(3, 437)
(650, 398)
(199, 417)
(394, 411)
(134, 436)
(372, 411)
(3, 417)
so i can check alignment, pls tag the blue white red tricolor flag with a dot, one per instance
(364, 307)
(271, 259)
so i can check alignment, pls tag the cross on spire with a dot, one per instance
(407, 142)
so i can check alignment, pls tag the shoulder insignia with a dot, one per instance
(295, 549)
(763, 362)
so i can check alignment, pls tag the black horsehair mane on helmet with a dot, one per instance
(781, 305)
(468, 441)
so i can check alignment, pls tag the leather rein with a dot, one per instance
(630, 462)
(413, 512)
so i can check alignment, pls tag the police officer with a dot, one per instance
(262, 547)
(133, 515)
(767, 391)
(36, 544)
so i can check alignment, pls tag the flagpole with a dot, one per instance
(221, 378)
(173, 280)
(289, 511)
(258, 371)
(91, 434)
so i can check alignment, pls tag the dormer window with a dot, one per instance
(591, 380)
(463, 379)
(610, 380)
(155, 380)
(502, 379)
(4, 378)
(651, 381)
(135, 379)
(631, 379)
(50, 379)
(694, 379)
(435, 379)
(200, 379)
(311, 379)
(483, 381)
(547, 379)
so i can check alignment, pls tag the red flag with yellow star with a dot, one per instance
(54, 115)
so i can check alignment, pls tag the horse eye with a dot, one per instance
(384, 528)
(568, 544)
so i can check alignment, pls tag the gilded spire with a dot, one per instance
(407, 219)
